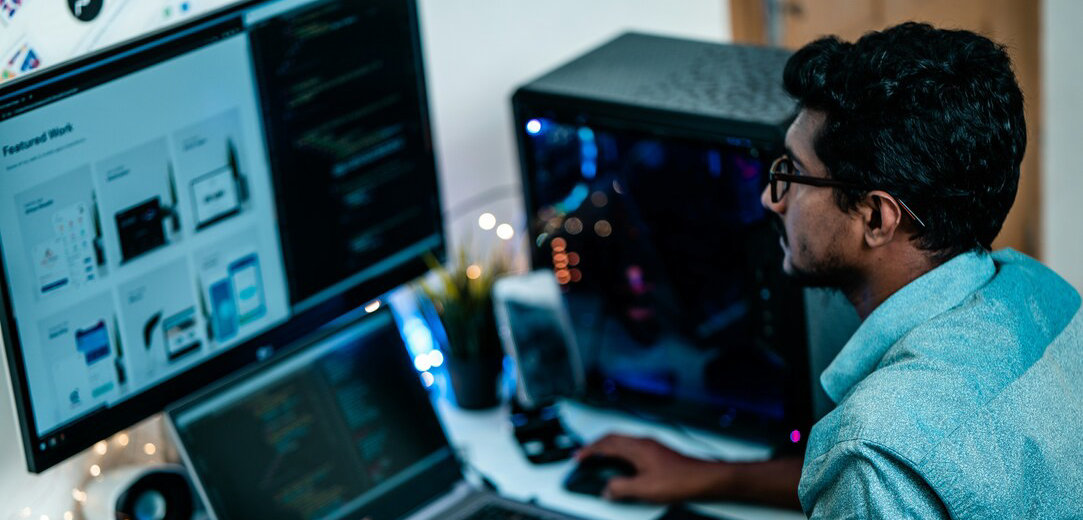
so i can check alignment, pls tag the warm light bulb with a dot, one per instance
(505, 231)
(487, 221)
(101, 447)
(573, 226)
(150, 448)
(602, 228)
(95, 470)
(473, 272)
(68, 515)
(122, 439)
(372, 306)
(599, 199)
(560, 260)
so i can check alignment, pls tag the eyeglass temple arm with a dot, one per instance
(831, 183)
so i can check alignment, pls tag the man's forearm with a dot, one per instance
(772, 482)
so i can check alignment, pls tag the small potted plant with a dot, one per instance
(461, 296)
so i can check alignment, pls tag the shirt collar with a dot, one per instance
(929, 295)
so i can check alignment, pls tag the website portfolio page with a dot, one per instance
(139, 231)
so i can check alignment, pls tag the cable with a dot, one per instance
(473, 202)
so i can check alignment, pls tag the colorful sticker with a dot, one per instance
(8, 8)
(20, 60)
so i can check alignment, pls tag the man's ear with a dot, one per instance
(881, 216)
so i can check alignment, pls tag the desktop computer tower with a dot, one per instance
(643, 161)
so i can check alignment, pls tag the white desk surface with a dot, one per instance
(485, 439)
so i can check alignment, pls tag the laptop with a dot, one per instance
(337, 428)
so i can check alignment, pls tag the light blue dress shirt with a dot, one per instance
(960, 396)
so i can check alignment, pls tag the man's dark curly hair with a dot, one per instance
(931, 116)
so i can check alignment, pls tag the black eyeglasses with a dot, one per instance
(782, 173)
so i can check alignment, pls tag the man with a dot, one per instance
(960, 394)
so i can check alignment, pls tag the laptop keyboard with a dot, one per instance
(495, 512)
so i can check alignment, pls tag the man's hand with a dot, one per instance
(662, 475)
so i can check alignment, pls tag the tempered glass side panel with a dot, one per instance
(669, 266)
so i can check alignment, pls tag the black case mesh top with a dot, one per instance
(726, 81)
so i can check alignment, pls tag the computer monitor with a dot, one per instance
(180, 205)
(39, 35)
(338, 427)
(643, 163)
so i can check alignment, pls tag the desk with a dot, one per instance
(485, 440)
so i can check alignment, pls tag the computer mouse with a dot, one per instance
(592, 474)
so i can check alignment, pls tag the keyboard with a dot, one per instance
(496, 512)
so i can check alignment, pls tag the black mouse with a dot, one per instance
(592, 474)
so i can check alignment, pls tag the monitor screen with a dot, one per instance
(176, 204)
(669, 269)
(328, 431)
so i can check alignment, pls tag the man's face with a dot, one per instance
(818, 238)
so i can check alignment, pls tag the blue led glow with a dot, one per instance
(418, 337)
(574, 199)
(588, 169)
(534, 126)
(738, 141)
(588, 153)
(650, 153)
(714, 163)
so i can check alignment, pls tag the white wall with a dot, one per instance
(477, 52)
(1062, 182)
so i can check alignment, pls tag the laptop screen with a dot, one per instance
(339, 428)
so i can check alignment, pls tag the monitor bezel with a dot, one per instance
(83, 431)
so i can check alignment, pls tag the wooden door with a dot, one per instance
(1014, 23)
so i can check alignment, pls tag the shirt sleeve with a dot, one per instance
(856, 479)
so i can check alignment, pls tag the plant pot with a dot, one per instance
(475, 381)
